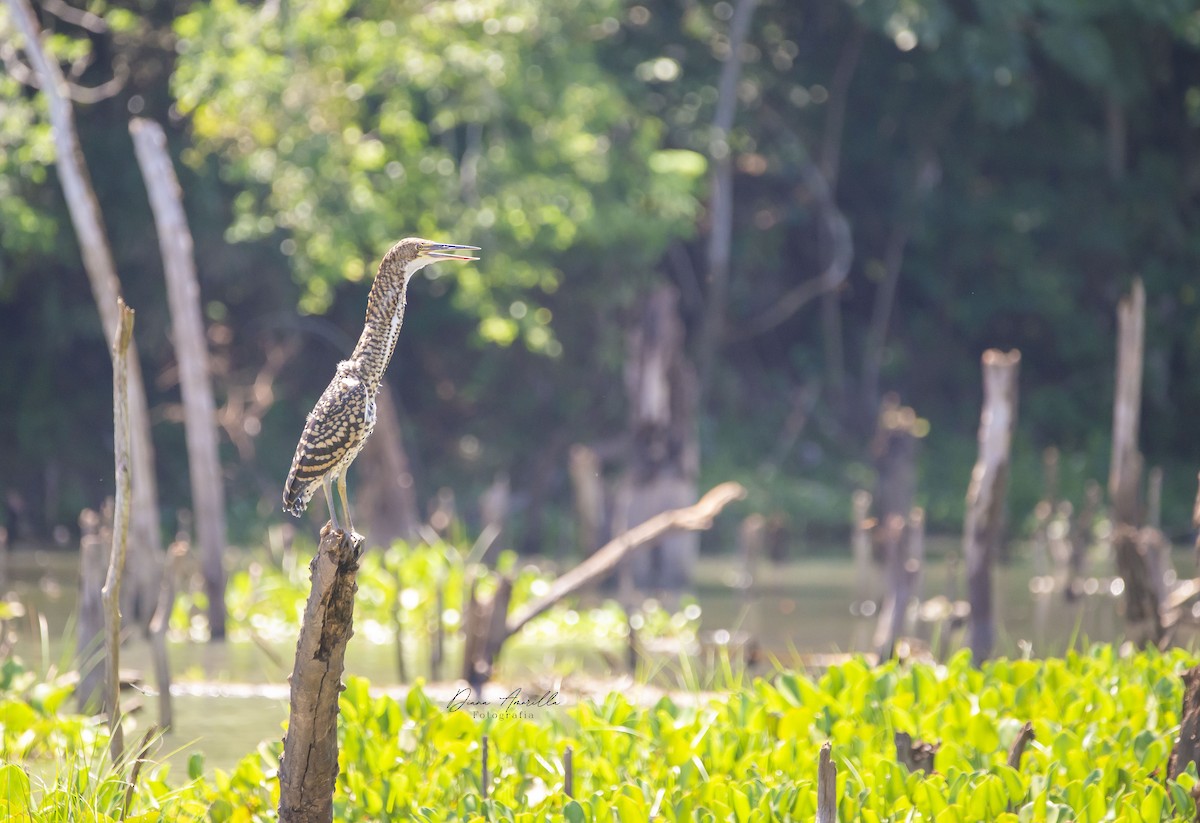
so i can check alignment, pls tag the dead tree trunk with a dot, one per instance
(485, 632)
(1187, 747)
(720, 208)
(986, 494)
(905, 543)
(826, 787)
(111, 593)
(1080, 539)
(894, 452)
(191, 349)
(1142, 614)
(146, 543)
(95, 546)
(387, 496)
(664, 455)
(309, 768)
(587, 483)
(158, 633)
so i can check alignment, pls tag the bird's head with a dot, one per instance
(413, 253)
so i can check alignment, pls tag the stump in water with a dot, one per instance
(897, 528)
(664, 456)
(309, 767)
(1135, 561)
(985, 496)
(894, 452)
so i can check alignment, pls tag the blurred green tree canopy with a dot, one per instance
(1006, 168)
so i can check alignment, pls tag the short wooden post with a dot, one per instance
(569, 772)
(986, 494)
(826, 786)
(436, 647)
(483, 768)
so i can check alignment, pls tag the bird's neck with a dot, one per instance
(385, 315)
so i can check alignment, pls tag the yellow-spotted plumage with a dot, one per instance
(344, 416)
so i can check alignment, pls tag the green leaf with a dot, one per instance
(573, 812)
(14, 787)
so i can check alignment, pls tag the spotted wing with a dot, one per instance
(333, 434)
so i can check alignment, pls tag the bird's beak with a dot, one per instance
(450, 251)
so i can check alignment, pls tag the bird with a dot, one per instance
(344, 416)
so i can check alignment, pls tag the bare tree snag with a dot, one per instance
(1187, 747)
(1134, 561)
(309, 768)
(158, 633)
(604, 561)
(894, 453)
(484, 632)
(587, 483)
(720, 208)
(111, 593)
(905, 544)
(984, 524)
(146, 544)
(95, 547)
(387, 494)
(1125, 469)
(860, 547)
(191, 348)
(826, 786)
(663, 460)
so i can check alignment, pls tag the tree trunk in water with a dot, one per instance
(905, 544)
(720, 208)
(894, 453)
(1134, 561)
(95, 543)
(387, 498)
(110, 595)
(664, 458)
(986, 495)
(191, 349)
(309, 768)
(145, 546)
(587, 484)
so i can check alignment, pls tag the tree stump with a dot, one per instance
(1134, 563)
(1187, 747)
(309, 767)
(664, 456)
(985, 496)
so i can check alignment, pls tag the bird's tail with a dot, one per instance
(297, 493)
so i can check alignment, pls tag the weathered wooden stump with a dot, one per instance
(309, 768)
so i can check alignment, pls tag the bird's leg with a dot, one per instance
(350, 532)
(327, 485)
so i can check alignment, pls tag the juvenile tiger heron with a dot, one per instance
(344, 417)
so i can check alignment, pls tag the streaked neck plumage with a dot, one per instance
(385, 315)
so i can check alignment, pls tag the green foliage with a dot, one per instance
(1104, 726)
(487, 122)
(397, 591)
